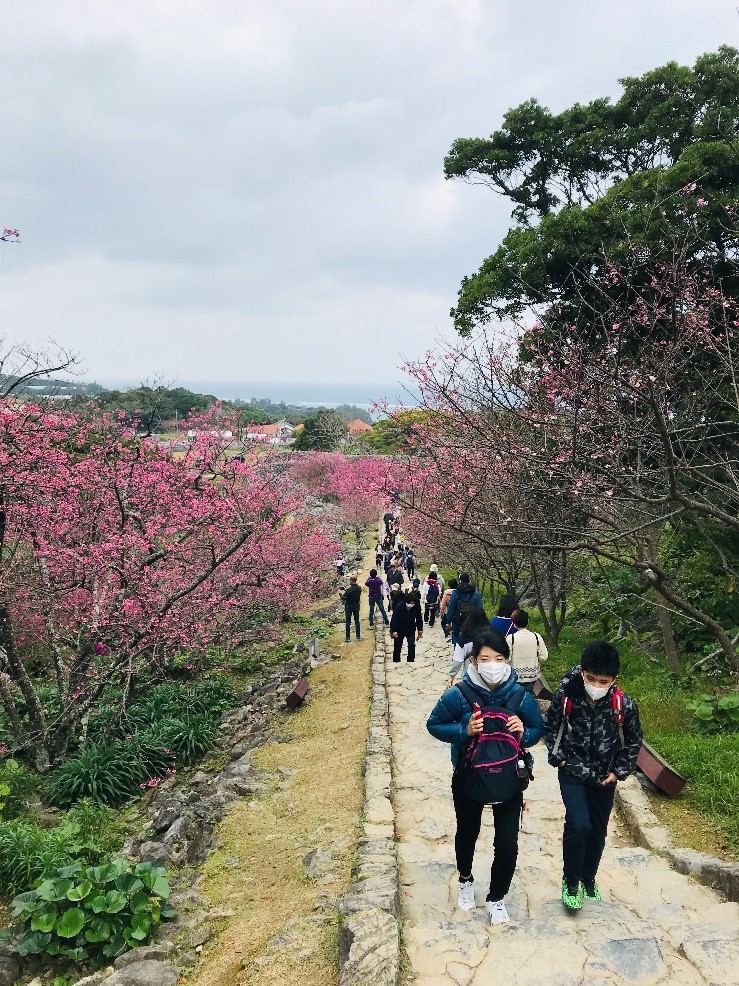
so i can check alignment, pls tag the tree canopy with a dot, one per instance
(604, 183)
(322, 432)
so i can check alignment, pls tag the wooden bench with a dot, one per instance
(659, 772)
(297, 695)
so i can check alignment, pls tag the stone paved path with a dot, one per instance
(653, 925)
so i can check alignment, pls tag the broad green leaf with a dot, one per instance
(99, 930)
(160, 887)
(70, 923)
(140, 926)
(115, 901)
(24, 903)
(140, 903)
(33, 943)
(75, 954)
(98, 904)
(106, 873)
(81, 891)
(44, 920)
(114, 947)
(54, 890)
(128, 883)
(67, 872)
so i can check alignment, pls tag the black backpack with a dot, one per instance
(432, 593)
(465, 606)
(494, 767)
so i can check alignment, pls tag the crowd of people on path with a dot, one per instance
(490, 717)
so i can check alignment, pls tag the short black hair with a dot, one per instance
(506, 605)
(373, 573)
(464, 577)
(520, 619)
(476, 622)
(491, 638)
(600, 657)
(452, 583)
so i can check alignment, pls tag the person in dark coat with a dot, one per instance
(406, 624)
(592, 752)
(350, 598)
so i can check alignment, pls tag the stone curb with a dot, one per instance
(647, 831)
(369, 937)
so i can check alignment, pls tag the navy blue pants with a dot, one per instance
(381, 607)
(587, 810)
(352, 612)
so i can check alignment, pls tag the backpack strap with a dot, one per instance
(538, 641)
(619, 716)
(467, 692)
(566, 712)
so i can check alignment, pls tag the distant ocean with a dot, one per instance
(362, 395)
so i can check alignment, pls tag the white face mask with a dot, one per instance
(494, 672)
(595, 692)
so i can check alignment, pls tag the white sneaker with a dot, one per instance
(466, 898)
(498, 913)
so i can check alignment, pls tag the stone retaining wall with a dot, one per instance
(648, 832)
(369, 938)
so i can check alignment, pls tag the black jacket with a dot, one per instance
(351, 596)
(405, 621)
(591, 746)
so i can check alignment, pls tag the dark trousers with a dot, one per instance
(587, 810)
(429, 613)
(349, 612)
(411, 569)
(398, 645)
(507, 816)
(381, 606)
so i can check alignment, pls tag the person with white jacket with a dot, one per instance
(528, 650)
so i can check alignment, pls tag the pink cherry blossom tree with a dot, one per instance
(115, 557)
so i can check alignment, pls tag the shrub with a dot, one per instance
(105, 772)
(716, 714)
(92, 913)
(29, 853)
(17, 785)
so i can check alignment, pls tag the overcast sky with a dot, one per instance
(253, 190)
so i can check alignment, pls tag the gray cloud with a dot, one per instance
(242, 189)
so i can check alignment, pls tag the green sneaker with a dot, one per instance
(573, 902)
(592, 894)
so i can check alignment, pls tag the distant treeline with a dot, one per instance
(157, 406)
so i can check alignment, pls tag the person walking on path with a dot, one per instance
(444, 606)
(464, 599)
(593, 735)
(406, 623)
(489, 681)
(396, 577)
(434, 570)
(431, 599)
(375, 589)
(410, 563)
(475, 624)
(350, 598)
(503, 619)
(528, 650)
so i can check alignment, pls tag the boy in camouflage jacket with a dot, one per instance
(592, 752)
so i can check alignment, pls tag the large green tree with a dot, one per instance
(323, 432)
(608, 183)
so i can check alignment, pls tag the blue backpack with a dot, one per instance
(494, 766)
